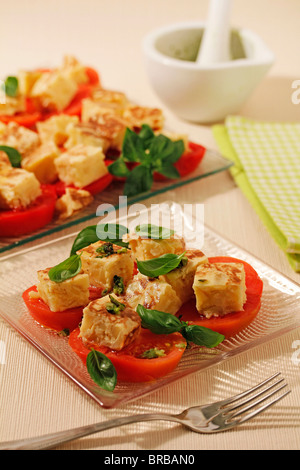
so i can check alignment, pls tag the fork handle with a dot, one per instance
(49, 441)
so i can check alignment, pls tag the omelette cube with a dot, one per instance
(182, 278)
(41, 162)
(81, 165)
(103, 326)
(53, 91)
(60, 296)
(56, 129)
(154, 294)
(102, 261)
(219, 288)
(147, 248)
(18, 188)
(22, 139)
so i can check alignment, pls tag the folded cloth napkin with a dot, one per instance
(267, 170)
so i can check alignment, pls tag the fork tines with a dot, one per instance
(257, 399)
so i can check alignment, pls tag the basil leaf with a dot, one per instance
(119, 168)
(146, 134)
(112, 233)
(103, 232)
(11, 86)
(169, 171)
(13, 155)
(65, 270)
(159, 266)
(139, 181)
(132, 147)
(201, 336)
(154, 231)
(165, 150)
(160, 323)
(87, 236)
(101, 370)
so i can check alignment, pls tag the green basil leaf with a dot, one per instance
(146, 134)
(101, 370)
(163, 149)
(13, 155)
(201, 336)
(65, 270)
(139, 181)
(168, 170)
(160, 323)
(112, 233)
(119, 168)
(132, 148)
(103, 232)
(154, 232)
(11, 86)
(159, 266)
(87, 236)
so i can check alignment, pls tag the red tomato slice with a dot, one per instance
(130, 367)
(93, 76)
(58, 321)
(234, 322)
(23, 119)
(94, 188)
(14, 223)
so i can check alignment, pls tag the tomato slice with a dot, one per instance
(16, 222)
(234, 322)
(24, 119)
(58, 321)
(93, 76)
(94, 188)
(129, 365)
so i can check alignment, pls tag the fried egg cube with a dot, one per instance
(102, 265)
(81, 165)
(72, 202)
(136, 116)
(56, 129)
(22, 139)
(26, 80)
(86, 134)
(41, 162)
(11, 105)
(4, 162)
(181, 279)
(219, 288)
(147, 248)
(154, 294)
(114, 330)
(18, 188)
(60, 296)
(53, 90)
(74, 70)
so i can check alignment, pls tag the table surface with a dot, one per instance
(35, 397)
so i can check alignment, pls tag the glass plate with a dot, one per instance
(279, 313)
(212, 163)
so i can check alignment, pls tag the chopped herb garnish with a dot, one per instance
(114, 306)
(118, 285)
(153, 353)
(64, 332)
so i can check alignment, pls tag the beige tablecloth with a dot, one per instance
(35, 397)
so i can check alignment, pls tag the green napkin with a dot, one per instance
(267, 170)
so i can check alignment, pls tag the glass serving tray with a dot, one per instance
(212, 163)
(279, 313)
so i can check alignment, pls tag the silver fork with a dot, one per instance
(215, 417)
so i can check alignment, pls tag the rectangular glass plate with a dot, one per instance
(212, 163)
(279, 313)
